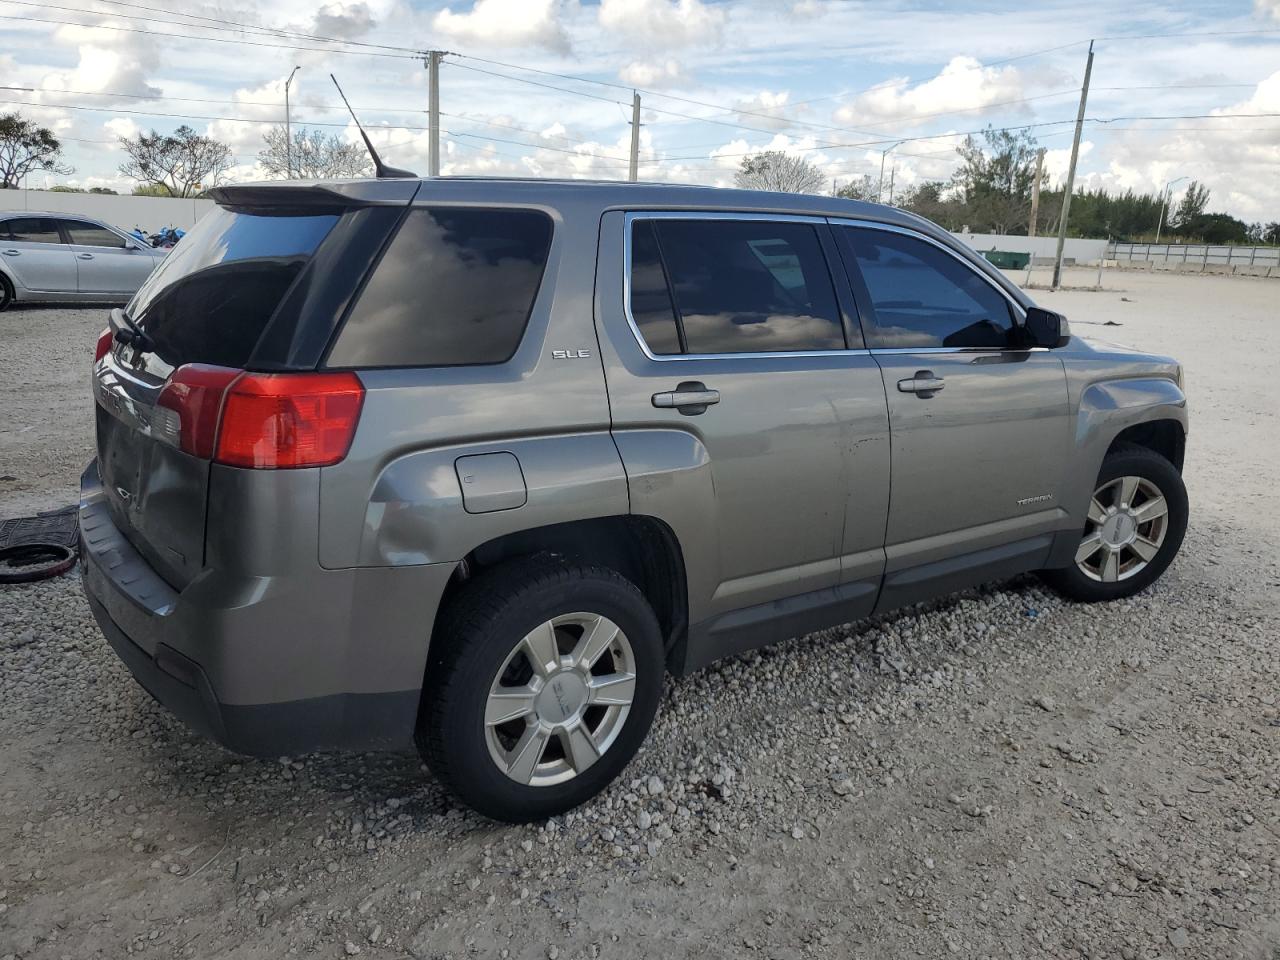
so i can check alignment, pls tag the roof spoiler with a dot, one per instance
(316, 194)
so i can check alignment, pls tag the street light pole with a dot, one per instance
(884, 153)
(1164, 204)
(288, 130)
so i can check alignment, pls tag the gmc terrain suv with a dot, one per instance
(475, 463)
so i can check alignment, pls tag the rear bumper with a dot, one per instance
(226, 669)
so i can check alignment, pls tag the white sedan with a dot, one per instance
(53, 257)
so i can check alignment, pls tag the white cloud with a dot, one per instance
(345, 21)
(507, 23)
(121, 127)
(1267, 8)
(663, 73)
(767, 110)
(963, 84)
(1235, 158)
(664, 23)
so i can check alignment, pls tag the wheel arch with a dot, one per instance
(1165, 437)
(641, 548)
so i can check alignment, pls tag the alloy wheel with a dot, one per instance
(560, 699)
(1127, 523)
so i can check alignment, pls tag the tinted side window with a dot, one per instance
(651, 306)
(924, 297)
(210, 299)
(90, 234)
(34, 230)
(749, 286)
(455, 287)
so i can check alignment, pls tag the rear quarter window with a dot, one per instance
(455, 287)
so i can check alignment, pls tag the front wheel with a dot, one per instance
(543, 683)
(1135, 525)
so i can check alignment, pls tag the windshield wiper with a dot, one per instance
(131, 334)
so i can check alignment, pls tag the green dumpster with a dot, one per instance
(1007, 259)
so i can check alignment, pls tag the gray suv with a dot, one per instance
(476, 463)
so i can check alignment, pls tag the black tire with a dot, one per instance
(1128, 460)
(6, 292)
(476, 635)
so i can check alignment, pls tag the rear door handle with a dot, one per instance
(691, 398)
(923, 384)
(13, 253)
(85, 256)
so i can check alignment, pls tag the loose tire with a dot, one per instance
(542, 683)
(1137, 519)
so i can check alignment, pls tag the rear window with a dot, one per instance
(211, 297)
(454, 288)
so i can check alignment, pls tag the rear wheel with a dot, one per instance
(6, 292)
(1135, 525)
(544, 681)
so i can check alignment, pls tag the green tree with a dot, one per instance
(993, 182)
(859, 188)
(26, 148)
(1192, 205)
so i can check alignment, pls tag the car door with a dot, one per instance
(748, 417)
(979, 426)
(34, 251)
(106, 263)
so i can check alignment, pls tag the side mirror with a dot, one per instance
(1044, 328)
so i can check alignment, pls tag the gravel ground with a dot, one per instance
(1000, 774)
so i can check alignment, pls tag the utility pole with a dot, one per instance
(635, 137)
(1035, 194)
(433, 112)
(1071, 171)
(1164, 204)
(884, 153)
(288, 130)
(892, 171)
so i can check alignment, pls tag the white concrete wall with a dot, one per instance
(149, 213)
(1078, 250)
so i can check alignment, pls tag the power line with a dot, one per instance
(317, 123)
(187, 36)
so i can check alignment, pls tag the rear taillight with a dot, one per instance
(274, 421)
(103, 346)
(266, 421)
(195, 392)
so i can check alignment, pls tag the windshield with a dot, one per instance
(210, 299)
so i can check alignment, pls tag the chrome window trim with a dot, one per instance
(633, 215)
(1019, 314)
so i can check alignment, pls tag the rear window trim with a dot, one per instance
(631, 216)
(552, 219)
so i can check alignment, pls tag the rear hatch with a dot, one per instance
(243, 278)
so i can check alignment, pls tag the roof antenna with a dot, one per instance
(380, 169)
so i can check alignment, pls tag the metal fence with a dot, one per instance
(1195, 254)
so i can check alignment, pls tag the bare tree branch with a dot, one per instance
(780, 172)
(26, 148)
(183, 163)
(313, 155)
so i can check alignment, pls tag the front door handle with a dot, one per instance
(691, 398)
(13, 253)
(85, 256)
(923, 384)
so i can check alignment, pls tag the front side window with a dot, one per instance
(33, 230)
(732, 286)
(924, 297)
(455, 287)
(91, 235)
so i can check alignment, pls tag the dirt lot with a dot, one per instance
(1000, 775)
